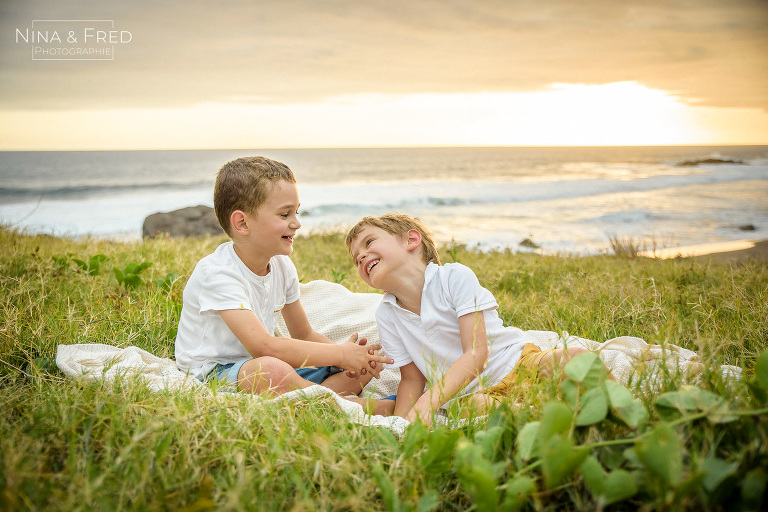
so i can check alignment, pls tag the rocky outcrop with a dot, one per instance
(709, 161)
(191, 221)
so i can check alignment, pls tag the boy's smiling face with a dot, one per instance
(275, 222)
(376, 254)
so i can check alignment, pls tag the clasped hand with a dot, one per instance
(360, 358)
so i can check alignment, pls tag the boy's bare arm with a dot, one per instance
(409, 390)
(259, 342)
(467, 367)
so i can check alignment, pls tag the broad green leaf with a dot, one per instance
(587, 369)
(618, 395)
(439, 453)
(704, 399)
(94, 262)
(80, 263)
(716, 471)
(504, 418)
(428, 502)
(527, 448)
(415, 438)
(489, 440)
(757, 391)
(594, 407)
(753, 487)
(132, 268)
(119, 275)
(132, 280)
(758, 384)
(661, 454)
(612, 457)
(630, 454)
(557, 418)
(619, 485)
(477, 475)
(560, 459)
(501, 417)
(674, 404)
(61, 260)
(634, 415)
(679, 400)
(518, 490)
(570, 392)
(594, 477)
(761, 371)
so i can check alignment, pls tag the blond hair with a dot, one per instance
(242, 185)
(398, 224)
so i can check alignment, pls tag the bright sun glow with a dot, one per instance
(622, 113)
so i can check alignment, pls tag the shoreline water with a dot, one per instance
(736, 251)
(570, 200)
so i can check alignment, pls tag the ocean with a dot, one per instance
(565, 199)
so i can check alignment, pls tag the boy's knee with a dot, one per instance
(566, 354)
(271, 367)
(271, 371)
(575, 351)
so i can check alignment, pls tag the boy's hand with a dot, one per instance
(362, 356)
(421, 412)
(353, 374)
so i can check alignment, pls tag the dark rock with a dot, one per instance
(699, 161)
(747, 227)
(191, 221)
(527, 242)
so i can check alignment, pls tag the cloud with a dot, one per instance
(184, 53)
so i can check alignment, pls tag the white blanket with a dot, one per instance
(336, 312)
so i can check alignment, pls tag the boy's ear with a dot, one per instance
(413, 240)
(239, 222)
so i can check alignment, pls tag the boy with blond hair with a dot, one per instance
(234, 296)
(437, 323)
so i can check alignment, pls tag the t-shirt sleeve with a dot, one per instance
(464, 291)
(222, 290)
(391, 343)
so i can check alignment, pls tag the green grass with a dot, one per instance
(70, 445)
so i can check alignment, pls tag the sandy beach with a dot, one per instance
(736, 251)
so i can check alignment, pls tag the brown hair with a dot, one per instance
(398, 224)
(242, 185)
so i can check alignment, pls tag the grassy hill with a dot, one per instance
(67, 444)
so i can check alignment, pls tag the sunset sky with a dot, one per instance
(348, 73)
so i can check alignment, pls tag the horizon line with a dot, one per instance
(436, 146)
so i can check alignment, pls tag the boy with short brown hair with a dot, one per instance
(436, 321)
(234, 296)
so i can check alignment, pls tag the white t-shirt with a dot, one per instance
(219, 282)
(432, 340)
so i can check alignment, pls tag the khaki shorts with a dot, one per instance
(527, 368)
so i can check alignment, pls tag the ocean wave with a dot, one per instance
(330, 200)
(25, 193)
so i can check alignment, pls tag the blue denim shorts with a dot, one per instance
(227, 373)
